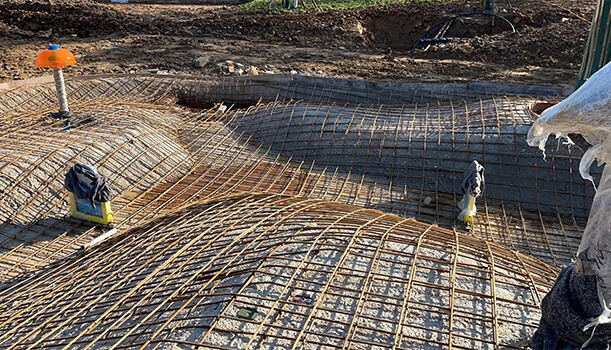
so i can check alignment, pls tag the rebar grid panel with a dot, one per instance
(243, 166)
(204, 159)
(135, 146)
(377, 281)
(242, 92)
(157, 158)
(530, 204)
(228, 161)
(219, 160)
(427, 146)
(348, 91)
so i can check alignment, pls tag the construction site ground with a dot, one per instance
(285, 216)
(373, 43)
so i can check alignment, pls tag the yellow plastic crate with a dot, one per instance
(82, 209)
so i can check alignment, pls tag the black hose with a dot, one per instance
(428, 32)
(438, 40)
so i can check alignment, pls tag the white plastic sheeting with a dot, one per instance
(587, 112)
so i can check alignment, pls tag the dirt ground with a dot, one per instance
(374, 43)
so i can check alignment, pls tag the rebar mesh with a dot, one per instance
(199, 92)
(334, 157)
(376, 281)
(531, 204)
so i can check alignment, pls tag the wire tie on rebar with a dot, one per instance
(304, 299)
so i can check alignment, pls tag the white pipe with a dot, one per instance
(99, 239)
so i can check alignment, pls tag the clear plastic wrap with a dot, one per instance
(587, 112)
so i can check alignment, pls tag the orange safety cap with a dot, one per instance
(55, 57)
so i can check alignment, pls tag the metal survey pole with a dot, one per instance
(60, 86)
(598, 47)
(56, 58)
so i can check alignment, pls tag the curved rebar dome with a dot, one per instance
(375, 280)
(303, 191)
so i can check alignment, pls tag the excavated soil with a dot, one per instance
(373, 43)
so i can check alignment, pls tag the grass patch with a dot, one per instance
(261, 6)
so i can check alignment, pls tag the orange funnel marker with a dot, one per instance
(57, 58)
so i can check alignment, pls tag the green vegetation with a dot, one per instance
(261, 6)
